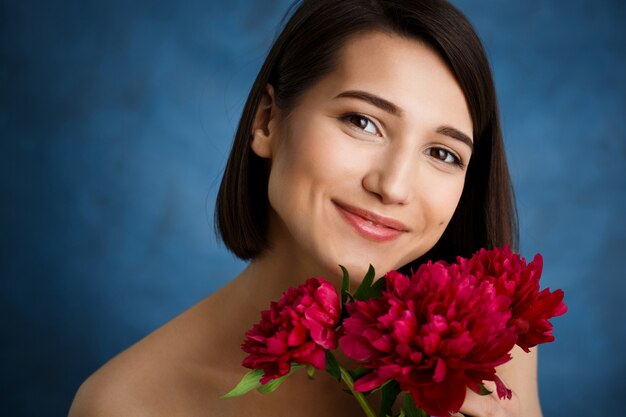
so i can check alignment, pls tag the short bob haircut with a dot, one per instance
(306, 50)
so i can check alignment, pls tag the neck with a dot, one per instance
(266, 278)
(261, 282)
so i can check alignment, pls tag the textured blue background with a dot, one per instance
(116, 118)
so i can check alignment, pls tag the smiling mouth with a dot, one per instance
(369, 225)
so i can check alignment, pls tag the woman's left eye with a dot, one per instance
(445, 155)
(362, 123)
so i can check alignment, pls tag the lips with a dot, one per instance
(369, 225)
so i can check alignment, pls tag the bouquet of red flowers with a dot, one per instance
(431, 334)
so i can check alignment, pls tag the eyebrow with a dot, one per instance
(456, 134)
(379, 102)
(394, 110)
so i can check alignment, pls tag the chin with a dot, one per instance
(357, 262)
(357, 269)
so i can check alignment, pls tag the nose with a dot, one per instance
(391, 176)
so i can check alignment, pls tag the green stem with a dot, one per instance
(347, 378)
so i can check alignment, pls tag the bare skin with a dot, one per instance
(184, 367)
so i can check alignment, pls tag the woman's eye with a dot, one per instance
(445, 155)
(362, 123)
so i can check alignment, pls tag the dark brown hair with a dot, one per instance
(307, 50)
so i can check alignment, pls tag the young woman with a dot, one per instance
(370, 136)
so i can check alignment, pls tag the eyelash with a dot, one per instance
(457, 161)
(349, 118)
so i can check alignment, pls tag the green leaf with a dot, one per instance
(484, 390)
(366, 290)
(366, 283)
(345, 285)
(250, 381)
(310, 372)
(275, 383)
(359, 371)
(379, 286)
(390, 391)
(422, 413)
(332, 366)
(272, 385)
(409, 409)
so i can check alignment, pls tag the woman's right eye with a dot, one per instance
(362, 123)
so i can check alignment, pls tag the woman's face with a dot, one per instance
(369, 166)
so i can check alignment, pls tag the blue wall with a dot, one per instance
(115, 123)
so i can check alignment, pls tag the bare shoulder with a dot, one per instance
(520, 374)
(115, 390)
(168, 373)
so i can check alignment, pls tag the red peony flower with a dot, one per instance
(435, 333)
(512, 277)
(296, 329)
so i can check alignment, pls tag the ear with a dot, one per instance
(264, 124)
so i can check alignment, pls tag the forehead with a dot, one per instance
(404, 71)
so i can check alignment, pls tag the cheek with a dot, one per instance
(303, 161)
(444, 199)
(315, 155)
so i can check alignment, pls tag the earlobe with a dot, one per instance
(261, 144)
(264, 124)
